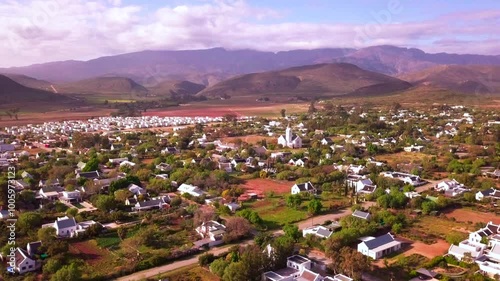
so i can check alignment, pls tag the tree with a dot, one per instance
(206, 259)
(29, 220)
(122, 195)
(283, 113)
(351, 263)
(283, 247)
(203, 215)
(72, 212)
(235, 272)
(314, 207)
(218, 267)
(46, 234)
(52, 266)
(236, 228)
(92, 165)
(292, 231)
(68, 272)
(293, 201)
(105, 202)
(311, 109)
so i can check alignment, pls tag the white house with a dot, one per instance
(361, 215)
(191, 189)
(65, 226)
(378, 247)
(488, 193)
(117, 160)
(289, 139)
(466, 246)
(136, 190)
(211, 229)
(451, 187)
(303, 187)
(361, 184)
(127, 163)
(71, 196)
(23, 262)
(404, 177)
(233, 206)
(413, 148)
(154, 203)
(317, 230)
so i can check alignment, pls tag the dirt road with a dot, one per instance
(148, 273)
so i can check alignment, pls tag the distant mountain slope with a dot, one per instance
(307, 81)
(13, 92)
(30, 81)
(394, 60)
(172, 88)
(115, 85)
(461, 78)
(200, 66)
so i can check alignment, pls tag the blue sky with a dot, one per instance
(34, 31)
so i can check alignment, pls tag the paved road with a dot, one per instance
(148, 273)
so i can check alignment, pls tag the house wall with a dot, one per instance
(26, 266)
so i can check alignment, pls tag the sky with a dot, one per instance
(37, 31)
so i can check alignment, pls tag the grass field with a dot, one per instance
(275, 213)
(188, 273)
(430, 229)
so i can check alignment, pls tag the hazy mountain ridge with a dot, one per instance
(214, 65)
(307, 81)
(462, 78)
(13, 92)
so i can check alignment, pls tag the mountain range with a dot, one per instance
(210, 66)
(217, 73)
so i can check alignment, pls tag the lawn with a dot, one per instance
(188, 273)
(275, 213)
(111, 239)
(78, 205)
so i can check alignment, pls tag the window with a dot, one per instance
(30, 266)
(23, 268)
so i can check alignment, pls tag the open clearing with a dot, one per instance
(89, 252)
(466, 215)
(260, 186)
(429, 251)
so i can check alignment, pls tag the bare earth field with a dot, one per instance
(260, 186)
(429, 251)
(466, 215)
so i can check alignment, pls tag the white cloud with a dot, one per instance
(40, 31)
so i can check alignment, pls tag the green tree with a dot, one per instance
(218, 267)
(206, 259)
(314, 207)
(72, 212)
(29, 220)
(294, 201)
(69, 272)
(235, 272)
(105, 202)
(283, 113)
(292, 231)
(92, 165)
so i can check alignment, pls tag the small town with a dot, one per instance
(338, 193)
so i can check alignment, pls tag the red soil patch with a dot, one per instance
(466, 215)
(88, 252)
(259, 186)
(251, 139)
(429, 251)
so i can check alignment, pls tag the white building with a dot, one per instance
(190, 189)
(317, 230)
(289, 139)
(303, 187)
(376, 248)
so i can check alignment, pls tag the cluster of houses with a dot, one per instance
(482, 247)
(110, 124)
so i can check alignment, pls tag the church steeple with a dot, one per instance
(288, 134)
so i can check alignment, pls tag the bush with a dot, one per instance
(206, 259)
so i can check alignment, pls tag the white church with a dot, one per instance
(289, 139)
